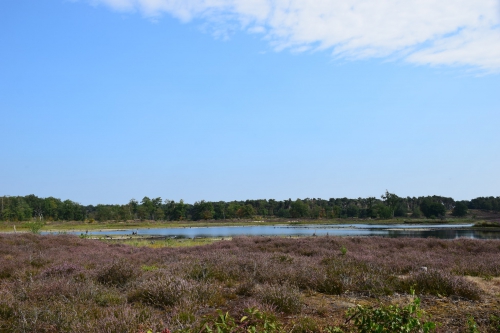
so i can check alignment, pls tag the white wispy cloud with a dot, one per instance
(433, 32)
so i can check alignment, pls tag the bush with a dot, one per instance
(160, 290)
(285, 298)
(64, 269)
(245, 288)
(390, 318)
(118, 274)
(330, 284)
(6, 270)
(305, 325)
(254, 321)
(444, 284)
(35, 226)
(108, 298)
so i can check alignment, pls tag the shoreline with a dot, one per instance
(7, 227)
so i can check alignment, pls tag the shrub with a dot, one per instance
(6, 270)
(160, 291)
(390, 318)
(254, 321)
(149, 268)
(119, 273)
(330, 284)
(285, 298)
(6, 311)
(441, 283)
(472, 325)
(200, 272)
(246, 288)
(495, 322)
(344, 273)
(108, 298)
(37, 260)
(207, 294)
(305, 325)
(34, 227)
(64, 269)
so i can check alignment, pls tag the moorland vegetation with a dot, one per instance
(62, 283)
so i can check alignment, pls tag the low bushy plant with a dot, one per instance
(6, 270)
(392, 318)
(160, 291)
(109, 298)
(285, 298)
(254, 321)
(64, 269)
(34, 226)
(305, 325)
(441, 283)
(119, 273)
(472, 325)
(246, 288)
(495, 322)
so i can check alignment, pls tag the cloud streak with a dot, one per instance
(430, 32)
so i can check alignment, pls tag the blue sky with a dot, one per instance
(107, 100)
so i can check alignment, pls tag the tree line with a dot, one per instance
(389, 205)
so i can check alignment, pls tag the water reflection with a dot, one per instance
(446, 234)
(442, 231)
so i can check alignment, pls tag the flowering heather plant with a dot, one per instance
(63, 269)
(439, 283)
(285, 298)
(160, 290)
(67, 284)
(118, 273)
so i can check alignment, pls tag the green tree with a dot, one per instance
(104, 213)
(416, 212)
(176, 211)
(299, 209)
(460, 209)
(157, 211)
(148, 207)
(352, 210)
(141, 212)
(203, 210)
(392, 201)
(232, 210)
(220, 210)
(432, 209)
(245, 211)
(384, 212)
(51, 208)
(132, 206)
(15, 209)
(271, 206)
(370, 204)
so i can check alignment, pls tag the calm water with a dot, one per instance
(443, 231)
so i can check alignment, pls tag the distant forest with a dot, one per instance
(389, 205)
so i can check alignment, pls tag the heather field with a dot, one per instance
(67, 284)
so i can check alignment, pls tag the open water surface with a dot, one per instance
(442, 231)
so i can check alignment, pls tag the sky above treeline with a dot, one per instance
(102, 101)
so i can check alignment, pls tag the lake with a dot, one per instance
(442, 231)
